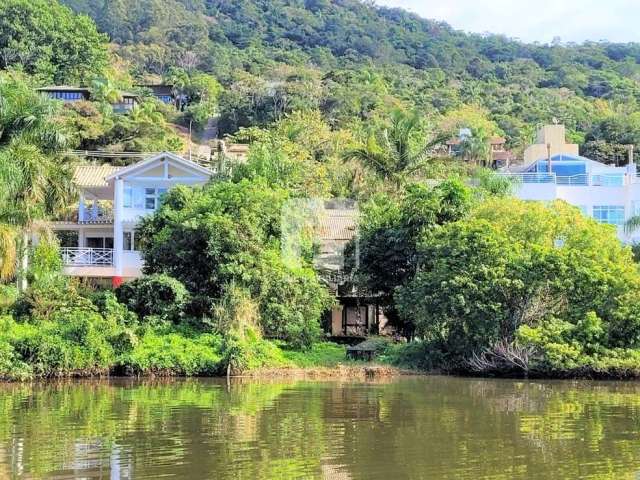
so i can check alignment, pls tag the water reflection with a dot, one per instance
(434, 427)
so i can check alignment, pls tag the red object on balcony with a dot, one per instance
(116, 282)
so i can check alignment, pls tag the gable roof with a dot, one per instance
(338, 224)
(158, 158)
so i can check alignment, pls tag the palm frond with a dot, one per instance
(8, 252)
(632, 225)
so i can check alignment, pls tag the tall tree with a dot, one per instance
(397, 150)
(48, 40)
(34, 181)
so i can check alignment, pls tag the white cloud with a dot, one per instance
(539, 20)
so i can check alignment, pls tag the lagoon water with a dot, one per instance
(405, 428)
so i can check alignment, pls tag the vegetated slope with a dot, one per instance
(379, 54)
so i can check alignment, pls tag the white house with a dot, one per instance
(607, 193)
(99, 240)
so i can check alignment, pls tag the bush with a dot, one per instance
(176, 352)
(247, 350)
(229, 234)
(157, 294)
(73, 342)
(562, 282)
(8, 297)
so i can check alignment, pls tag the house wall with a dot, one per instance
(555, 136)
(586, 197)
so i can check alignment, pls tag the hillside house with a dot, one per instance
(98, 238)
(554, 170)
(357, 314)
(69, 94)
(500, 156)
(66, 93)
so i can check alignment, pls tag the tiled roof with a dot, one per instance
(63, 88)
(93, 176)
(338, 224)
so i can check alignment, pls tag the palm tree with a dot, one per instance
(34, 181)
(391, 153)
(476, 149)
(632, 225)
(8, 252)
(104, 89)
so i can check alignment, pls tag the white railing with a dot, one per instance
(531, 177)
(602, 180)
(79, 257)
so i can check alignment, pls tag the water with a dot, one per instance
(417, 428)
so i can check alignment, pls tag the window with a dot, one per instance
(152, 197)
(128, 241)
(66, 95)
(611, 214)
(99, 242)
(133, 198)
(128, 197)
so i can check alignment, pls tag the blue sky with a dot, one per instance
(539, 20)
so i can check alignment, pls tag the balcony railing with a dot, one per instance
(95, 214)
(86, 257)
(603, 180)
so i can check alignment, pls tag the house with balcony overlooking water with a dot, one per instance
(98, 238)
(554, 170)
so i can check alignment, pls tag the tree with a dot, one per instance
(226, 236)
(389, 235)
(394, 152)
(34, 182)
(513, 265)
(476, 149)
(47, 40)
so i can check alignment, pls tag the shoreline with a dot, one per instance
(340, 371)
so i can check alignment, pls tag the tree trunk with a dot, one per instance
(24, 261)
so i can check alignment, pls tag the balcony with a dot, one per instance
(87, 257)
(95, 214)
(581, 180)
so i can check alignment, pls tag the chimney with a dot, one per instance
(550, 170)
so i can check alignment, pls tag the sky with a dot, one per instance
(535, 20)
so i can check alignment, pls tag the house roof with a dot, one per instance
(338, 224)
(503, 155)
(164, 155)
(63, 88)
(158, 88)
(238, 147)
(93, 176)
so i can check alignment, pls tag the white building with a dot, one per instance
(99, 239)
(607, 193)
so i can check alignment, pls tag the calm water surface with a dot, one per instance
(431, 428)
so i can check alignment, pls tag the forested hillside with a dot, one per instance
(350, 59)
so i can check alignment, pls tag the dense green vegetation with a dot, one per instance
(337, 99)
(354, 61)
(503, 286)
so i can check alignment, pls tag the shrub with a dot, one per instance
(503, 272)
(73, 342)
(8, 297)
(246, 350)
(154, 295)
(178, 352)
